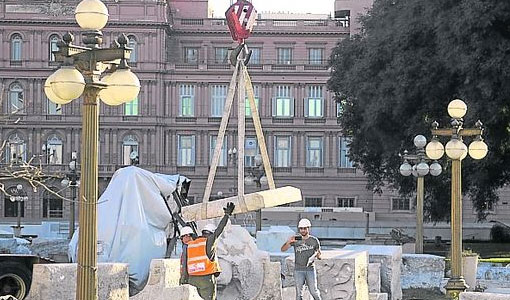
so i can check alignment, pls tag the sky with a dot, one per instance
(295, 6)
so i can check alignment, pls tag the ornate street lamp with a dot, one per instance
(80, 75)
(258, 178)
(419, 169)
(456, 150)
(72, 180)
(18, 195)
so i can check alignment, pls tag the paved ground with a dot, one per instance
(422, 295)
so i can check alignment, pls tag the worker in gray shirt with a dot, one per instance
(306, 249)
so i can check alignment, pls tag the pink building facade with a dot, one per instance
(180, 58)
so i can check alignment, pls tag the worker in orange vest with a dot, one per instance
(186, 237)
(202, 263)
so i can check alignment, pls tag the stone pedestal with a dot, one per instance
(341, 274)
(58, 281)
(422, 271)
(374, 277)
(390, 258)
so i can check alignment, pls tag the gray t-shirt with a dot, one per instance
(303, 250)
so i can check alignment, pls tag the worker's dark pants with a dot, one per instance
(206, 286)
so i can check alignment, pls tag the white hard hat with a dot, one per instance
(209, 227)
(304, 223)
(186, 230)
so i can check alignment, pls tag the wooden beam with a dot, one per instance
(254, 201)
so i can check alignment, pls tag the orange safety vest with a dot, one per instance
(198, 262)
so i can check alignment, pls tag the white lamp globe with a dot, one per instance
(435, 169)
(67, 83)
(478, 149)
(406, 169)
(258, 159)
(249, 180)
(414, 171)
(457, 109)
(422, 169)
(263, 180)
(64, 182)
(91, 14)
(456, 149)
(420, 141)
(434, 149)
(50, 94)
(123, 86)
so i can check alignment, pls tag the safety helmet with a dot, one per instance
(304, 223)
(186, 230)
(209, 227)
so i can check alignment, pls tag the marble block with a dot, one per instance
(483, 296)
(377, 296)
(374, 277)
(58, 281)
(422, 271)
(273, 239)
(341, 274)
(390, 258)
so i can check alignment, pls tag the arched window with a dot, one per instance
(15, 202)
(132, 43)
(53, 206)
(16, 47)
(53, 46)
(54, 150)
(16, 149)
(15, 97)
(129, 149)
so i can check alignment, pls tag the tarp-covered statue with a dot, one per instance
(137, 212)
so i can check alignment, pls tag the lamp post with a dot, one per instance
(72, 181)
(257, 176)
(17, 195)
(456, 150)
(80, 74)
(419, 169)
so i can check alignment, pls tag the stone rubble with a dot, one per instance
(430, 274)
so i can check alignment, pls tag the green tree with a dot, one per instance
(398, 75)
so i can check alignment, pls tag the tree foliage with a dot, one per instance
(398, 75)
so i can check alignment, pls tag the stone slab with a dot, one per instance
(254, 201)
(483, 296)
(374, 277)
(273, 239)
(377, 296)
(422, 271)
(341, 274)
(390, 258)
(488, 271)
(58, 281)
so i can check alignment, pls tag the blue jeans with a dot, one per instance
(311, 281)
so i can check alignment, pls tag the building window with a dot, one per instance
(313, 202)
(54, 108)
(54, 150)
(346, 202)
(255, 56)
(339, 108)
(284, 56)
(218, 97)
(133, 44)
(129, 146)
(16, 149)
(11, 205)
(400, 204)
(314, 152)
(16, 47)
(251, 149)
(53, 206)
(283, 103)
(190, 55)
(343, 160)
(315, 56)
(223, 155)
(186, 100)
(15, 97)
(256, 93)
(282, 153)
(53, 46)
(314, 104)
(131, 108)
(186, 150)
(220, 55)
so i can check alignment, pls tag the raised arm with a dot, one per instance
(288, 244)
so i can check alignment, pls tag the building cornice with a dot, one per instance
(73, 23)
